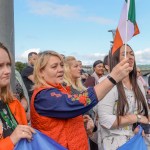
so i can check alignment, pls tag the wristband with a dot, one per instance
(111, 80)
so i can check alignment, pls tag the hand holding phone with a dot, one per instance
(146, 127)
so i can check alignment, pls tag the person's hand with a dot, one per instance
(121, 70)
(144, 119)
(22, 131)
(89, 124)
(136, 130)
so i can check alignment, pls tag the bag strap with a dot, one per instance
(14, 122)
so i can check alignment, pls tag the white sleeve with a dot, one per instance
(144, 94)
(106, 109)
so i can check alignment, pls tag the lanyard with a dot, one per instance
(11, 122)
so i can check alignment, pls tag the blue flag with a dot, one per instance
(135, 143)
(40, 142)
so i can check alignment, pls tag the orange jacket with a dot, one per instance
(70, 133)
(19, 114)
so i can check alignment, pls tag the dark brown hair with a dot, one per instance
(31, 53)
(122, 105)
(97, 62)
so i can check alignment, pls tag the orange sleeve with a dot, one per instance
(18, 112)
(6, 144)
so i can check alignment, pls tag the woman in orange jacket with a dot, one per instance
(13, 123)
(56, 112)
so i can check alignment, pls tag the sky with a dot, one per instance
(76, 27)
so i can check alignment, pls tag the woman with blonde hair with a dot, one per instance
(72, 79)
(72, 74)
(13, 123)
(56, 112)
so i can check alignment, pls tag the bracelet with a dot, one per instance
(111, 80)
(138, 118)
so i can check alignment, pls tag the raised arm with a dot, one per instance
(119, 72)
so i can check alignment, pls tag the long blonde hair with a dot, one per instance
(41, 62)
(6, 93)
(68, 62)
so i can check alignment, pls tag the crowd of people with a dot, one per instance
(79, 111)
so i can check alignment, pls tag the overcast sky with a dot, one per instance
(76, 27)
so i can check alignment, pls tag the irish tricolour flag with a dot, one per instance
(127, 27)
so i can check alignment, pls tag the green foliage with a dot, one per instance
(20, 65)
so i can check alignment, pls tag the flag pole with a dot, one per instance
(126, 35)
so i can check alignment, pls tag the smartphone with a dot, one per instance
(146, 127)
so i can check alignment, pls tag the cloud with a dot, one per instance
(24, 56)
(143, 56)
(49, 8)
(99, 20)
(89, 59)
